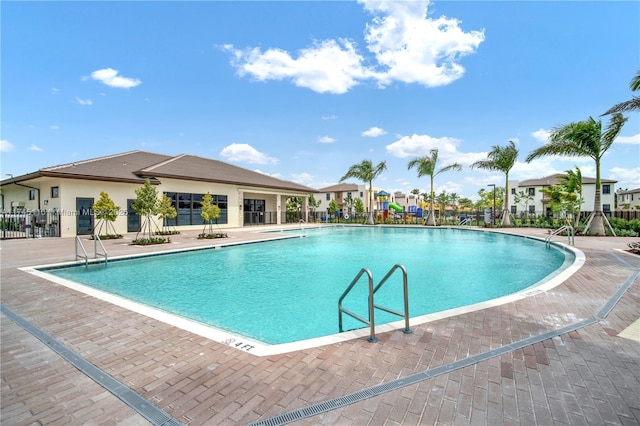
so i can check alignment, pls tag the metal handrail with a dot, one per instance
(96, 241)
(85, 255)
(371, 303)
(370, 322)
(405, 286)
(570, 234)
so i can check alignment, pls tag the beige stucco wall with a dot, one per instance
(71, 189)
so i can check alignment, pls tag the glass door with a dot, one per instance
(84, 216)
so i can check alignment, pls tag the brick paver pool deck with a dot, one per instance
(585, 375)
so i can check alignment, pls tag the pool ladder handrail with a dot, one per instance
(570, 234)
(96, 253)
(371, 304)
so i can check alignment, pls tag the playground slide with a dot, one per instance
(395, 207)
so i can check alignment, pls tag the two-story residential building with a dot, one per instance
(409, 202)
(341, 193)
(629, 199)
(538, 204)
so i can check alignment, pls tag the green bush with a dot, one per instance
(212, 236)
(150, 241)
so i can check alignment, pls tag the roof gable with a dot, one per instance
(136, 166)
(340, 187)
(555, 180)
(193, 167)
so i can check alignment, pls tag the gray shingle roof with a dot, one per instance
(136, 166)
(554, 180)
(340, 187)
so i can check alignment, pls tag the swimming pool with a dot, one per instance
(287, 290)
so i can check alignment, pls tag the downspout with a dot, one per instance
(30, 187)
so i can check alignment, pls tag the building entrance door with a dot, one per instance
(84, 216)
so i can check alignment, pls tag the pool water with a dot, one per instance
(287, 290)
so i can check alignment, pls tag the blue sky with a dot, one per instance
(302, 90)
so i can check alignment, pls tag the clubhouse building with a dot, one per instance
(60, 198)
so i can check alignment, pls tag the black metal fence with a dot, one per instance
(29, 224)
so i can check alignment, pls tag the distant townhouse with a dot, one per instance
(342, 193)
(629, 199)
(409, 202)
(539, 204)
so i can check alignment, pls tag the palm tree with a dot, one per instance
(427, 167)
(584, 139)
(630, 105)
(365, 172)
(501, 158)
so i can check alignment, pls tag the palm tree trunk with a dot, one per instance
(597, 224)
(370, 220)
(431, 221)
(506, 217)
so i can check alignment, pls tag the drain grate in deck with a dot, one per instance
(133, 399)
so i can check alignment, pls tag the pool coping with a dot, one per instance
(262, 349)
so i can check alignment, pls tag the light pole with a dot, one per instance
(493, 211)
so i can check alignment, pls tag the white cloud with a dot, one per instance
(84, 102)
(541, 135)
(302, 178)
(420, 145)
(54, 91)
(275, 175)
(110, 77)
(327, 66)
(326, 139)
(35, 148)
(5, 146)
(635, 139)
(627, 178)
(403, 45)
(374, 132)
(414, 48)
(54, 127)
(242, 152)
(329, 117)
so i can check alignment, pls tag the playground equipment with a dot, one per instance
(395, 207)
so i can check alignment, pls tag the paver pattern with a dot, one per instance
(588, 376)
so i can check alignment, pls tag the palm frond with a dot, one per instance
(627, 106)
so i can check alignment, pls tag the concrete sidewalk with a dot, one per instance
(586, 376)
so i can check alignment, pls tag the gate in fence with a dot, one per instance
(29, 225)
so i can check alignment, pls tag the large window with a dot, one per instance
(532, 191)
(189, 208)
(606, 189)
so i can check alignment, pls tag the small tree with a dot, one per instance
(333, 208)
(209, 213)
(348, 202)
(146, 205)
(106, 213)
(523, 198)
(313, 205)
(166, 211)
(442, 200)
(358, 206)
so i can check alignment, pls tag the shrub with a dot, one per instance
(212, 236)
(150, 241)
(108, 236)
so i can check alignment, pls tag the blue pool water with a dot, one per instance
(288, 290)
